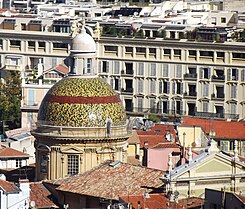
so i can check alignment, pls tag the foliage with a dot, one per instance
(10, 99)
(154, 118)
(139, 33)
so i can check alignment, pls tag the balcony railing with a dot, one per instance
(190, 76)
(218, 78)
(218, 96)
(190, 94)
(217, 115)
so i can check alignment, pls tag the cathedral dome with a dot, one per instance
(81, 101)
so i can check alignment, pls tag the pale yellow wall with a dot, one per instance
(192, 134)
(131, 149)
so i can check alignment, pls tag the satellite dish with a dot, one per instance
(33, 204)
(198, 141)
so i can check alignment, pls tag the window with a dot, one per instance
(42, 44)
(232, 74)
(152, 86)
(239, 55)
(233, 91)
(152, 104)
(205, 90)
(220, 54)
(243, 75)
(152, 51)
(18, 163)
(116, 67)
(14, 43)
(31, 44)
(141, 68)
(105, 66)
(140, 50)
(166, 51)
(153, 69)
(205, 73)
(129, 49)
(60, 45)
(233, 108)
(43, 163)
(164, 87)
(165, 70)
(111, 48)
(206, 53)
(72, 164)
(178, 71)
(140, 85)
(89, 65)
(223, 20)
(192, 53)
(140, 104)
(177, 52)
(129, 68)
(205, 106)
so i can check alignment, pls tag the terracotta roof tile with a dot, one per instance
(164, 146)
(151, 140)
(9, 152)
(134, 138)
(153, 201)
(110, 182)
(62, 68)
(223, 129)
(9, 187)
(241, 197)
(192, 202)
(40, 195)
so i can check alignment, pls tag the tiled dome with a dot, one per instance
(81, 101)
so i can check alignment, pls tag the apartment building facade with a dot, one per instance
(176, 77)
(168, 77)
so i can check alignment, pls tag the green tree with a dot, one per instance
(10, 99)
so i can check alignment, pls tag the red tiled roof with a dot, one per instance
(8, 187)
(158, 129)
(164, 145)
(151, 140)
(110, 182)
(9, 152)
(62, 68)
(152, 202)
(191, 202)
(241, 197)
(223, 129)
(40, 195)
(134, 138)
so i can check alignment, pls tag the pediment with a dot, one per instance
(214, 166)
(72, 150)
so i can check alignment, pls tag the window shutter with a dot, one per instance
(107, 66)
(201, 73)
(243, 75)
(168, 87)
(181, 107)
(112, 82)
(209, 73)
(237, 74)
(181, 88)
(173, 88)
(228, 74)
(160, 87)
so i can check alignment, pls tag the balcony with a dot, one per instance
(191, 94)
(217, 115)
(127, 73)
(190, 76)
(127, 91)
(220, 96)
(13, 67)
(218, 78)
